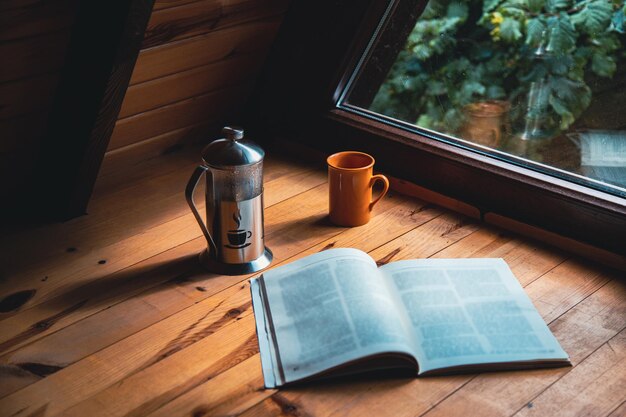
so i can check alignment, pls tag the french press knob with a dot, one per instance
(234, 228)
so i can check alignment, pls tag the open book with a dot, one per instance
(335, 312)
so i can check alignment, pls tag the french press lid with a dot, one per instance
(233, 150)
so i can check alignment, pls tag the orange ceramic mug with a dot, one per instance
(350, 181)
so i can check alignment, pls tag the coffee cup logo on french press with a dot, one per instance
(234, 205)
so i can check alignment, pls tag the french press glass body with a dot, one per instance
(234, 205)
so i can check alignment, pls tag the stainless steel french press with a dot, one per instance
(234, 205)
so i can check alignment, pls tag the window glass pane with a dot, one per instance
(541, 83)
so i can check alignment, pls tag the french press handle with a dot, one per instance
(189, 191)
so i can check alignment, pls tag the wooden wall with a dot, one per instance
(196, 68)
(197, 65)
(34, 36)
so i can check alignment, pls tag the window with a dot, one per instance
(321, 81)
(538, 83)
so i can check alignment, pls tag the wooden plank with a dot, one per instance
(204, 16)
(204, 49)
(115, 179)
(226, 394)
(166, 4)
(574, 281)
(212, 107)
(28, 20)
(28, 318)
(79, 267)
(33, 56)
(405, 215)
(425, 194)
(95, 327)
(608, 258)
(183, 85)
(162, 179)
(176, 374)
(526, 260)
(88, 299)
(96, 331)
(31, 95)
(151, 194)
(121, 159)
(594, 387)
(174, 339)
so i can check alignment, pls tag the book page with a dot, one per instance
(328, 309)
(470, 311)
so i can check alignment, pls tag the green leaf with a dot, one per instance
(510, 30)
(603, 65)
(567, 118)
(514, 8)
(560, 64)
(594, 18)
(553, 6)
(574, 95)
(536, 6)
(609, 42)
(490, 5)
(458, 10)
(562, 36)
(472, 87)
(534, 31)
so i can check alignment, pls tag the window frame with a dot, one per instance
(335, 38)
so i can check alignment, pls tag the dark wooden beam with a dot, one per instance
(105, 42)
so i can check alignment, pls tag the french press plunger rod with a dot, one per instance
(234, 205)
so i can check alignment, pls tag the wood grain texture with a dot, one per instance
(61, 311)
(404, 211)
(27, 20)
(194, 82)
(193, 49)
(203, 16)
(608, 258)
(160, 336)
(203, 49)
(166, 4)
(177, 228)
(117, 160)
(211, 107)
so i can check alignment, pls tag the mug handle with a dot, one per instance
(379, 177)
(249, 234)
(189, 190)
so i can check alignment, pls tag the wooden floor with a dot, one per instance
(110, 315)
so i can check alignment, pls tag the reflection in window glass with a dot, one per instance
(540, 79)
